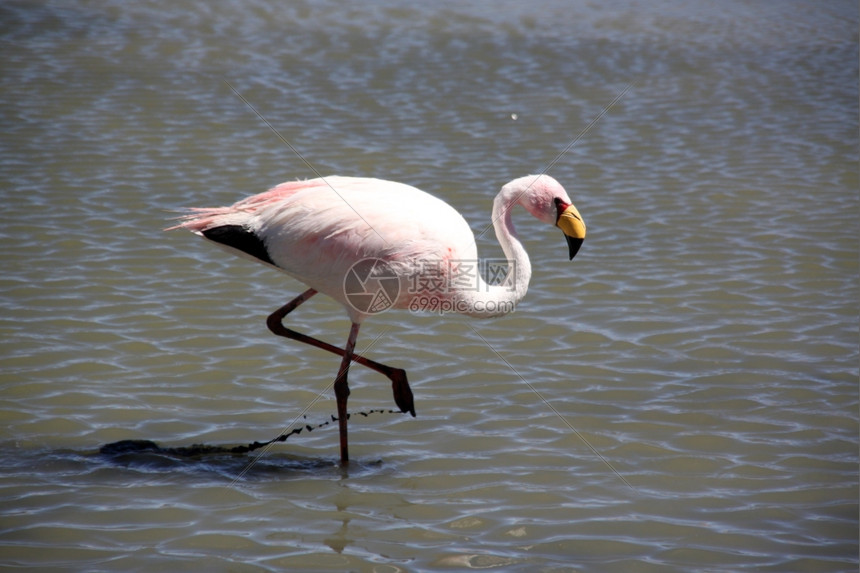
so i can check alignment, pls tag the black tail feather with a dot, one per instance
(240, 238)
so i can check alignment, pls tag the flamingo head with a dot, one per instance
(546, 199)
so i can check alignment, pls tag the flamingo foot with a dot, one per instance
(402, 391)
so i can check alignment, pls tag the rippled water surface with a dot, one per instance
(682, 396)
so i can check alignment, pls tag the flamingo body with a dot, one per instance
(316, 230)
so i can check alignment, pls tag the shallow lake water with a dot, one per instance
(682, 396)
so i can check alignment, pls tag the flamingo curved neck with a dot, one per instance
(489, 300)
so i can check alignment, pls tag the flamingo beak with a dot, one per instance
(573, 227)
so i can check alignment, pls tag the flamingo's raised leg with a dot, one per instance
(399, 384)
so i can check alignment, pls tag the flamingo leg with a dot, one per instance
(399, 384)
(341, 392)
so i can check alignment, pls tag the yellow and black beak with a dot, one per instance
(571, 223)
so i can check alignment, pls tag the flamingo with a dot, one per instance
(372, 244)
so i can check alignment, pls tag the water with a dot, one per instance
(704, 342)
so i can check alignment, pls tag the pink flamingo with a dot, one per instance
(372, 244)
